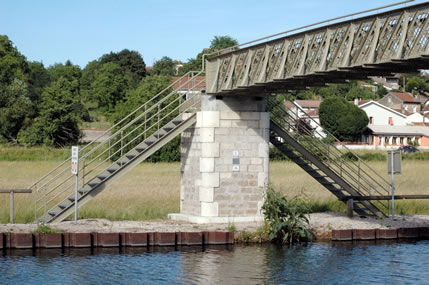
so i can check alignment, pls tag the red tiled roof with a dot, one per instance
(406, 97)
(309, 103)
(361, 102)
(185, 83)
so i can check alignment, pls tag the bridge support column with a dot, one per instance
(225, 161)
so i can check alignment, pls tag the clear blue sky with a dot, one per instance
(53, 31)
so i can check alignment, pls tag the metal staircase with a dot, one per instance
(129, 142)
(339, 170)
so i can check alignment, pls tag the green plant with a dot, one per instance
(45, 229)
(286, 218)
(231, 228)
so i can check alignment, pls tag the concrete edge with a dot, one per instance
(214, 220)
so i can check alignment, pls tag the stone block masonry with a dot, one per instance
(225, 162)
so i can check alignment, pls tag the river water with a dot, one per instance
(314, 263)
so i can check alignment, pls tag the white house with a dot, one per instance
(379, 114)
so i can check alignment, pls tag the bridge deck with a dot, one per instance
(393, 41)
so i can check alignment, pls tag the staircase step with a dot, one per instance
(121, 163)
(83, 191)
(130, 156)
(177, 122)
(53, 214)
(140, 148)
(93, 184)
(71, 199)
(62, 206)
(167, 129)
(149, 142)
(112, 170)
(158, 136)
(101, 177)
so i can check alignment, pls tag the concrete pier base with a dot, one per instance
(225, 161)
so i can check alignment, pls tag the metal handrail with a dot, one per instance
(154, 111)
(341, 143)
(108, 158)
(346, 169)
(322, 151)
(193, 75)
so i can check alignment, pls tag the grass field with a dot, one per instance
(151, 191)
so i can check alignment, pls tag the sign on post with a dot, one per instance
(75, 171)
(396, 164)
(75, 160)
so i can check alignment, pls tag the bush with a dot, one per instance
(286, 219)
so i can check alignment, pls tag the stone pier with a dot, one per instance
(225, 161)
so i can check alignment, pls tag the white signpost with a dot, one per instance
(75, 171)
(394, 165)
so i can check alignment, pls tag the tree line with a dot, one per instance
(46, 105)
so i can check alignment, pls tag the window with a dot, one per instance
(380, 139)
(386, 140)
(414, 109)
(371, 120)
(401, 141)
(391, 121)
(389, 99)
(394, 140)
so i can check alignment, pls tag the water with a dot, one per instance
(315, 263)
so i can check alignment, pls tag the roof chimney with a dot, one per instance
(356, 101)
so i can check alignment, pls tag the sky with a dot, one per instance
(54, 31)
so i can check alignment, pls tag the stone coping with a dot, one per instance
(114, 239)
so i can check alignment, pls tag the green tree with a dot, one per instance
(222, 42)
(57, 124)
(12, 63)
(416, 84)
(218, 43)
(109, 87)
(164, 66)
(38, 79)
(344, 120)
(68, 71)
(131, 63)
(15, 107)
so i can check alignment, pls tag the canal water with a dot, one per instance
(314, 263)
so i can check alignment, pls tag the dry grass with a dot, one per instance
(151, 191)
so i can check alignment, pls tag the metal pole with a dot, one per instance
(75, 198)
(393, 187)
(12, 204)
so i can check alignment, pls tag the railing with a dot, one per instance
(110, 146)
(346, 164)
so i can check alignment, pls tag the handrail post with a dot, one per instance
(122, 143)
(12, 203)
(145, 121)
(159, 113)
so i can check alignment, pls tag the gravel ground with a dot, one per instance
(321, 224)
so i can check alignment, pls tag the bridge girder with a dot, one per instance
(396, 41)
